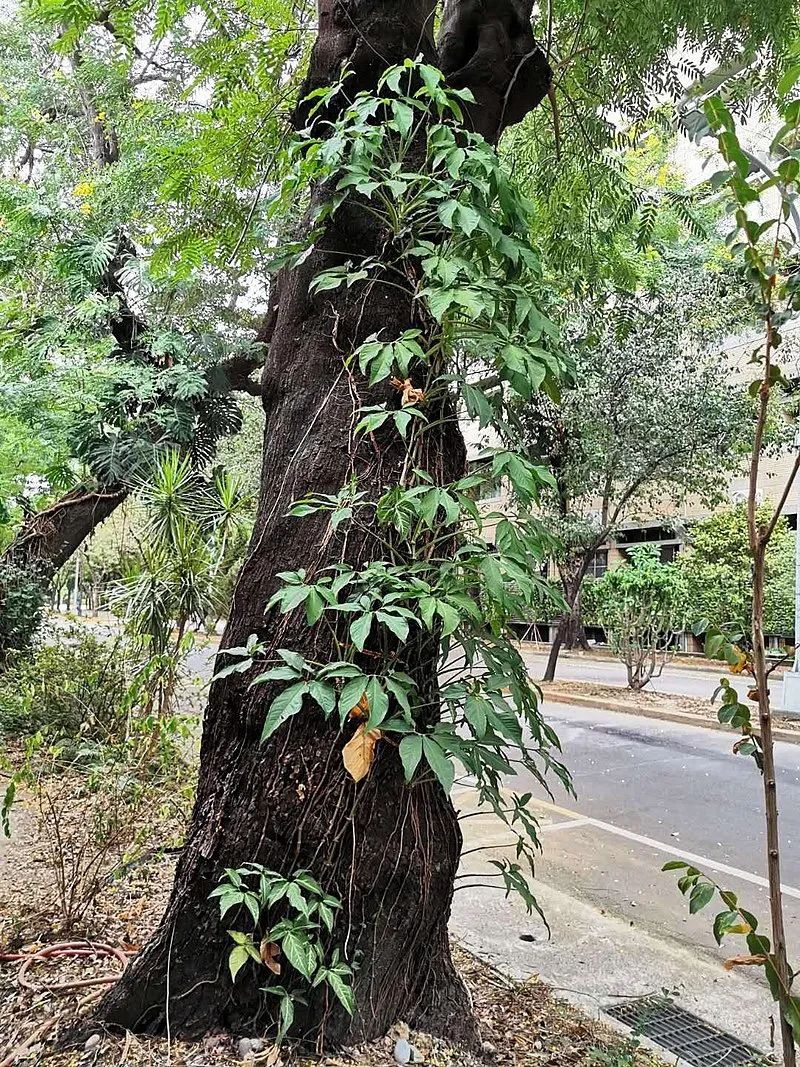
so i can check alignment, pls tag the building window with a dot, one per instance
(599, 564)
(638, 534)
(666, 553)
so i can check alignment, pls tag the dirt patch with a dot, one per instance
(522, 1023)
(646, 701)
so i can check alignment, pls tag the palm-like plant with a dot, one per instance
(192, 532)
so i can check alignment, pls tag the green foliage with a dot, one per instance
(651, 419)
(22, 601)
(104, 797)
(735, 920)
(436, 593)
(71, 686)
(192, 537)
(290, 919)
(716, 572)
(602, 189)
(105, 356)
(638, 605)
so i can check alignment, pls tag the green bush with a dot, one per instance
(716, 570)
(74, 686)
(639, 606)
(22, 598)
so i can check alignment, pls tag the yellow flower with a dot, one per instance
(84, 189)
(85, 208)
(101, 116)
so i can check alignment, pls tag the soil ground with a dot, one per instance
(522, 1023)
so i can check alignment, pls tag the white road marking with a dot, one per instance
(568, 824)
(676, 853)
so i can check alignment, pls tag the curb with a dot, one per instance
(792, 737)
(714, 666)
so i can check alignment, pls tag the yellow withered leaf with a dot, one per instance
(359, 752)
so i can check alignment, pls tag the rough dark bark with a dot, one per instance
(489, 47)
(49, 538)
(390, 852)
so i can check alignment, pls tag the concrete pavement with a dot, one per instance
(647, 792)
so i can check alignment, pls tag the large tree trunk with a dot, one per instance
(389, 851)
(49, 538)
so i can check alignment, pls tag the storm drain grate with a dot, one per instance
(682, 1033)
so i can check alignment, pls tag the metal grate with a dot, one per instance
(683, 1034)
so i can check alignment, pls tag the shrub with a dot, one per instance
(22, 599)
(102, 806)
(73, 686)
(108, 778)
(639, 605)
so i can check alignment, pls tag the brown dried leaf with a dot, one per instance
(269, 953)
(745, 961)
(359, 752)
(361, 710)
(411, 395)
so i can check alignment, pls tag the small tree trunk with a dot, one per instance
(389, 851)
(574, 632)
(555, 649)
(570, 631)
(784, 973)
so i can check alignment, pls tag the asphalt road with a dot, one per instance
(651, 791)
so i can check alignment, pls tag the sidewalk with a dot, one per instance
(593, 958)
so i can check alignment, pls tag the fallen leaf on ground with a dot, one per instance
(744, 961)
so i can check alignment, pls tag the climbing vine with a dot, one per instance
(457, 245)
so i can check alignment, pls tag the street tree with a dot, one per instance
(639, 606)
(332, 729)
(421, 255)
(654, 419)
